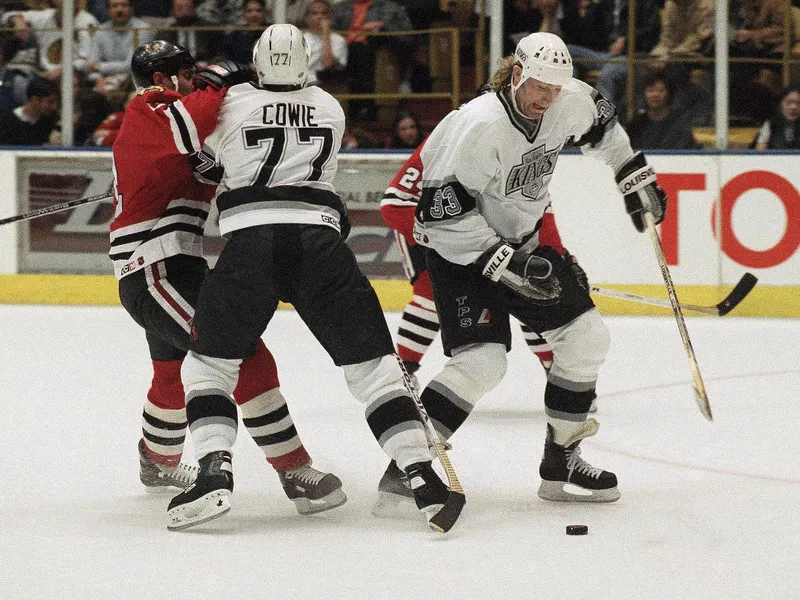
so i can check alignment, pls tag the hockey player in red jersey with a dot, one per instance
(156, 249)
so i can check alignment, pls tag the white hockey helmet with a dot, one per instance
(281, 56)
(544, 57)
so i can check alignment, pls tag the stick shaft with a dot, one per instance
(40, 212)
(699, 386)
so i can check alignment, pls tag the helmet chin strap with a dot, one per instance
(174, 79)
(514, 89)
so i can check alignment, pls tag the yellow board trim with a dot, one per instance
(394, 294)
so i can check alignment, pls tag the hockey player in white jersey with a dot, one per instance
(276, 146)
(487, 167)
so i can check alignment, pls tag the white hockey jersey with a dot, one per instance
(487, 168)
(281, 142)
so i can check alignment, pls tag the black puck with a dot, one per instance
(577, 530)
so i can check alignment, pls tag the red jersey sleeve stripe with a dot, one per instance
(183, 130)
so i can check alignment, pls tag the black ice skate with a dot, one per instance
(312, 491)
(208, 497)
(566, 477)
(159, 478)
(395, 498)
(430, 493)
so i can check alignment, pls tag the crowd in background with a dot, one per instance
(673, 46)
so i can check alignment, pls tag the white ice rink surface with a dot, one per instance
(708, 510)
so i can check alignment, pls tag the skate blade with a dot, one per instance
(444, 519)
(163, 489)
(204, 509)
(394, 506)
(306, 506)
(558, 491)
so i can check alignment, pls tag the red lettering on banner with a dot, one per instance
(786, 193)
(672, 184)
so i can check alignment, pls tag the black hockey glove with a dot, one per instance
(224, 73)
(637, 182)
(528, 275)
(577, 270)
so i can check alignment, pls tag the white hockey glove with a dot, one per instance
(637, 182)
(528, 275)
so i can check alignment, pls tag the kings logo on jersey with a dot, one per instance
(527, 177)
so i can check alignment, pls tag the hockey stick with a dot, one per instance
(443, 520)
(731, 301)
(40, 212)
(700, 395)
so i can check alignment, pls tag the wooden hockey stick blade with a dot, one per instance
(700, 396)
(444, 520)
(731, 301)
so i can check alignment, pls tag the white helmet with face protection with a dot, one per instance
(544, 57)
(281, 56)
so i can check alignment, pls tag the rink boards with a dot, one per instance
(729, 213)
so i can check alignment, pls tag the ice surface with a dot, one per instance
(708, 510)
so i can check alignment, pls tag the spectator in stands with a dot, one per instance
(612, 78)
(357, 17)
(32, 123)
(357, 137)
(112, 49)
(782, 130)
(204, 44)
(658, 126)
(296, 11)
(587, 23)
(46, 26)
(90, 109)
(13, 82)
(221, 12)
(407, 131)
(523, 17)
(238, 45)
(687, 28)
(328, 49)
(758, 32)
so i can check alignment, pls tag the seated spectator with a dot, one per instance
(659, 126)
(355, 137)
(328, 50)
(111, 49)
(613, 75)
(523, 17)
(151, 11)
(46, 25)
(687, 27)
(406, 131)
(204, 45)
(758, 32)
(782, 130)
(296, 11)
(358, 17)
(13, 82)
(32, 123)
(587, 23)
(238, 45)
(221, 12)
(90, 108)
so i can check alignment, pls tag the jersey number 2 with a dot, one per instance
(256, 137)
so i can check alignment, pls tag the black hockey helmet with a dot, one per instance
(158, 56)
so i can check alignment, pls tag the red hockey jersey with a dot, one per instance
(160, 208)
(400, 202)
